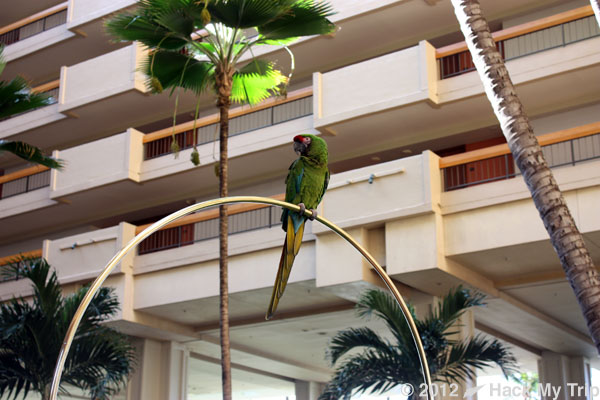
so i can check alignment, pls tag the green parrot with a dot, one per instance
(305, 186)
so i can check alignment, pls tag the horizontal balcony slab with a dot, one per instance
(85, 12)
(568, 79)
(108, 177)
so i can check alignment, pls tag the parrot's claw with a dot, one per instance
(302, 208)
(312, 210)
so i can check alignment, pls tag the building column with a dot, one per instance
(465, 329)
(563, 377)
(308, 390)
(161, 371)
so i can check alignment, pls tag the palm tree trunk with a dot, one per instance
(596, 7)
(46, 393)
(548, 199)
(223, 83)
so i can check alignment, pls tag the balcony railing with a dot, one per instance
(4, 261)
(205, 225)
(567, 147)
(521, 40)
(243, 119)
(34, 24)
(49, 88)
(24, 181)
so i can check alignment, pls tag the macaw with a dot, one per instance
(305, 186)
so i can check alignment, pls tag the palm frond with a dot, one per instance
(32, 332)
(464, 358)
(242, 14)
(255, 82)
(135, 27)
(304, 18)
(174, 70)
(30, 153)
(370, 371)
(350, 339)
(385, 307)
(16, 97)
(454, 304)
(392, 364)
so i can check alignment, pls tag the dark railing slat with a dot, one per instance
(238, 125)
(33, 28)
(569, 152)
(191, 233)
(530, 43)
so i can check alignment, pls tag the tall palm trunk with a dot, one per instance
(548, 199)
(596, 7)
(223, 79)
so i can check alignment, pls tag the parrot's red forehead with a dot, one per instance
(300, 138)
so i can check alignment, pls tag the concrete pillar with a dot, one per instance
(465, 329)
(161, 372)
(563, 377)
(308, 390)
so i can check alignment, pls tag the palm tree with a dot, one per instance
(177, 60)
(383, 365)
(32, 331)
(16, 98)
(596, 8)
(547, 197)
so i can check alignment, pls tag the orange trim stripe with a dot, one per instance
(522, 29)
(27, 254)
(212, 214)
(22, 173)
(501, 149)
(46, 86)
(35, 17)
(236, 112)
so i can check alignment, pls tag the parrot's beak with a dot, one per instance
(299, 148)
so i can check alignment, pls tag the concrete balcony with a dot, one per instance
(111, 174)
(405, 78)
(85, 12)
(111, 161)
(113, 74)
(400, 90)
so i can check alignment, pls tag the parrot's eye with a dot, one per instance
(306, 140)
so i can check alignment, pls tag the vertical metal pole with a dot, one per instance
(572, 152)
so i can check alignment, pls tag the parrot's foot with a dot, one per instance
(312, 210)
(302, 208)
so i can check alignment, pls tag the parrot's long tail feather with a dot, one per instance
(291, 246)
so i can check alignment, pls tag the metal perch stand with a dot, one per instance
(64, 351)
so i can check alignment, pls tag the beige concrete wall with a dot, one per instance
(26, 202)
(526, 69)
(239, 145)
(30, 120)
(82, 257)
(37, 42)
(98, 163)
(384, 82)
(399, 188)
(106, 75)
(247, 271)
(84, 11)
